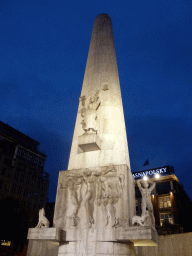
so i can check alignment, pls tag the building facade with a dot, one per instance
(171, 204)
(23, 182)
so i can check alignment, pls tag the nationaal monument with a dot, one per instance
(95, 202)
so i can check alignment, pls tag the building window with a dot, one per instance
(164, 202)
(41, 162)
(25, 192)
(5, 243)
(33, 182)
(20, 167)
(163, 187)
(30, 194)
(9, 174)
(19, 190)
(28, 181)
(16, 176)
(43, 186)
(13, 188)
(22, 178)
(166, 218)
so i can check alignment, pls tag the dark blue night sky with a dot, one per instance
(43, 51)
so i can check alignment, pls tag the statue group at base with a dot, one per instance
(103, 193)
(147, 218)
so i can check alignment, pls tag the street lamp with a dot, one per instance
(157, 176)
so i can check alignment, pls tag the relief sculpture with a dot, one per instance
(73, 200)
(89, 113)
(109, 193)
(82, 190)
(90, 179)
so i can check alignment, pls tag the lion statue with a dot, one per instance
(43, 221)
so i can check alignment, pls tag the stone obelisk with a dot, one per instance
(96, 194)
(95, 203)
(101, 78)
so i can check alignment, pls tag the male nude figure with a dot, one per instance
(146, 197)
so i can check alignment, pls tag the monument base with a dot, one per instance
(46, 234)
(139, 236)
(92, 242)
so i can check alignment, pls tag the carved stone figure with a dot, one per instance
(90, 180)
(140, 219)
(108, 195)
(146, 198)
(43, 221)
(82, 99)
(73, 200)
(89, 114)
(105, 87)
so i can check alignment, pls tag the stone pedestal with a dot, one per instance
(46, 234)
(94, 206)
(88, 245)
(89, 142)
(139, 236)
(91, 242)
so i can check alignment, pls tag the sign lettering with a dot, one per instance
(163, 170)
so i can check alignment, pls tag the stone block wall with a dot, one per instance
(169, 245)
(40, 248)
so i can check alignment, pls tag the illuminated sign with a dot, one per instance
(161, 170)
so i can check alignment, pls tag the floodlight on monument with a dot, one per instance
(145, 178)
(157, 176)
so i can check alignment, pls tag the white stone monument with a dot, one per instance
(95, 200)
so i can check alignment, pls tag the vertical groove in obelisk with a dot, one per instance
(101, 75)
